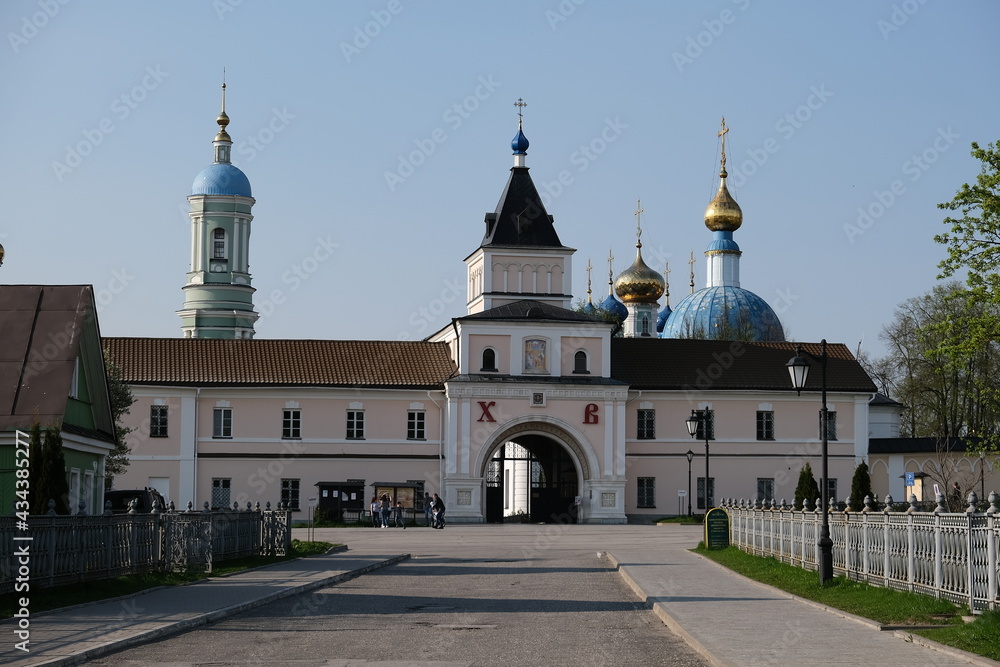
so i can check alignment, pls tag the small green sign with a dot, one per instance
(717, 529)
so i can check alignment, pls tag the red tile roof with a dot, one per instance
(261, 362)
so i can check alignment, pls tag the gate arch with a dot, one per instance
(564, 434)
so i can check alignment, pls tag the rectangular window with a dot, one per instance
(355, 424)
(701, 492)
(291, 424)
(765, 425)
(710, 417)
(157, 421)
(645, 424)
(415, 425)
(765, 488)
(647, 492)
(222, 423)
(290, 493)
(831, 489)
(220, 493)
(831, 424)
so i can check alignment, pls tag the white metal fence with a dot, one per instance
(947, 555)
(68, 549)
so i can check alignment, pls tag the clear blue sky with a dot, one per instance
(832, 107)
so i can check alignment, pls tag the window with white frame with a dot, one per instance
(222, 423)
(355, 424)
(645, 424)
(415, 425)
(291, 424)
(219, 243)
(290, 493)
(765, 488)
(646, 492)
(158, 421)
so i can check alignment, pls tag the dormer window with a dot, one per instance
(489, 360)
(219, 243)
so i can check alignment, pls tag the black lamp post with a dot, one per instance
(700, 417)
(690, 457)
(798, 369)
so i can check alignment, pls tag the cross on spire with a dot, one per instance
(611, 258)
(589, 267)
(722, 133)
(520, 104)
(666, 281)
(638, 223)
(691, 262)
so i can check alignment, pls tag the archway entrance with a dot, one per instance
(533, 478)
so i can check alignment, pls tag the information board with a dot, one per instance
(717, 529)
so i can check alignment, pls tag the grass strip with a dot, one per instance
(44, 599)
(886, 606)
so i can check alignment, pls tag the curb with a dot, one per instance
(661, 612)
(216, 615)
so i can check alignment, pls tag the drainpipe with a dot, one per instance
(440, 438)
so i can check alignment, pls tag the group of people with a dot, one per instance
(384, 512)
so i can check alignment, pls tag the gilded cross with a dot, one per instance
(691, 262)
(638, 221)
(722, 133)
(520, 104)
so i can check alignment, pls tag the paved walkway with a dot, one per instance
(730, 620)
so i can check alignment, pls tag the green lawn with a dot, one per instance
(43, 599)
(883, 605)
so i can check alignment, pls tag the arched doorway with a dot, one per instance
(532, 477)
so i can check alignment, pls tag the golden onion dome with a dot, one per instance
(723, 213)
(639, 283)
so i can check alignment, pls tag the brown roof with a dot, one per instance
(688, 364)
(261, 362)
(42, 328)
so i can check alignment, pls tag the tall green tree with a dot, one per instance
(807, 488)
(861, 486)
(52, 482)
(121, 402)
(973, 244)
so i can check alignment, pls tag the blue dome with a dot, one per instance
(221, 179)
(661, 319)
(724, 313)
(520, 143)
(590, 308)
(613, 305)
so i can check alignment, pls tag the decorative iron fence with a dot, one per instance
(947, 555)
(59, 550)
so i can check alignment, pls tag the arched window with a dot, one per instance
(219, 243)
(644, 331)
(489, 360)
(580, 362)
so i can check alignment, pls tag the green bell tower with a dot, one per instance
(218, 296)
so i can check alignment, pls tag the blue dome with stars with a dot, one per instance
(724, 313)
(221, 178)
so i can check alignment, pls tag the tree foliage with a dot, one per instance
(52, 483)
(861, 486)
(947, 391)
(807, 488)
(121, 402)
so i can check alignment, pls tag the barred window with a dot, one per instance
(647, 492)
(219, 243)
(157, 421)
(220, 493)
(701, 492)
(290, 493)
(291, 424)
(415, 425)
(831, 424)
(355, 424)
(645, 424)
(765, 425)
(765, 488)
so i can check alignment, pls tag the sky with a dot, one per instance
(376, 135)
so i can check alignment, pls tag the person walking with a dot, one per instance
(398, 516)
(376, 508)
(438, 506)
(428, 509)
(386, 506)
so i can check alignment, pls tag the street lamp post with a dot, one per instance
(690, 457)
(700, 417)
(798, 369)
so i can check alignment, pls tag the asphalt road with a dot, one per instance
(513, 598)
